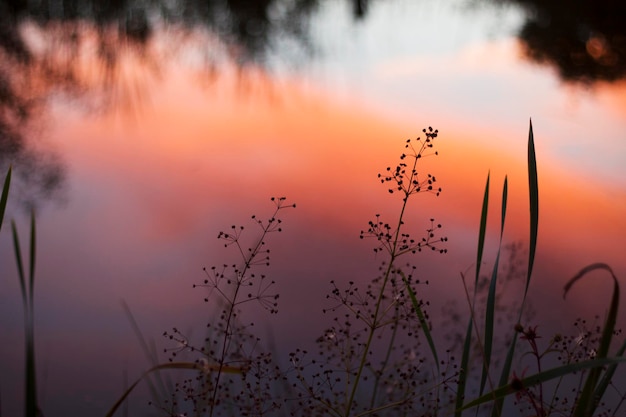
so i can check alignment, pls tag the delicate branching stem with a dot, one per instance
(249, 261)
(393, 254)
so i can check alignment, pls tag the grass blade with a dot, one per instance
(588, 400)
(30, 397)
(5, 195)
(33, 253)
(173, 365)
(541, 377)
(422, 319)
(31, 377)
(483, 228)
(467, 344)
(491, 297)
(533, 197)
(3, 205)
(608, 376)
(20, 265)
(505, 196)
(533, 189)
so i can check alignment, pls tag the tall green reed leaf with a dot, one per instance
(533, 188)
(594, 387)
(3, 205)
(33, 253)
(533, 196)
(483, 229)
(491, 298)
(591, 395)
(28, 292)
(467, 344)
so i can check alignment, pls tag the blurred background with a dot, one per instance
(138, 130)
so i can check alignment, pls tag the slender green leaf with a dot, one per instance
(174, 365)
(533, 197)
(504, 375)
(20, 266)
(541, 377)
(5, 195)
(482, 230)
(30, 397)
(588, 401)
(533, 188)
(32, 405)
(422, 319)
(505, 196)
(491, 297)
(467, 344)
(608, 375)
(33, 253)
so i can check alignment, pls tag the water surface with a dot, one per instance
(177, 156)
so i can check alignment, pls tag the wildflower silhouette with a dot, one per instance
(369, 360)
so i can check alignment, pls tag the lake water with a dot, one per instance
(181, 151)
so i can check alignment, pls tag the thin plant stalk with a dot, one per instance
(390, 345)
(28, 293)
(393, 254)
(375, 317)
(249, 260)
(408, 185)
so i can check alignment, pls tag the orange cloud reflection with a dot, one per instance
(149, 196)
(216, 155)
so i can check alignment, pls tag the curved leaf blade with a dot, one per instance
(173, 365)
(541, 377)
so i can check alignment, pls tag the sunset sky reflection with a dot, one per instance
(149, 190)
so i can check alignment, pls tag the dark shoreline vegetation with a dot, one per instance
(381, 356)
(45, 47)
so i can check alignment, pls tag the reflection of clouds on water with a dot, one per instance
(147, 203)
(38, 172)
(148, 199)
(101, 56)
